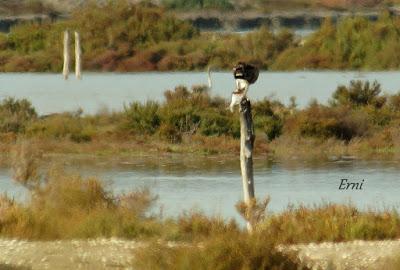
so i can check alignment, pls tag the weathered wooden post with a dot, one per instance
(78, 56)
(247, 137)
(66, 55)
(245, 75)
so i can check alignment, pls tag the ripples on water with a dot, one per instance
(215, 187)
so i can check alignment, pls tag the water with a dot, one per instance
(49, 93)
(214, 185)
(299, 32)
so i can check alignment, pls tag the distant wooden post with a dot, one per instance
(209, 78)
(66, 55)
(78, 56)
(247, 137)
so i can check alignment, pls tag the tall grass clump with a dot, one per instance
(15, 115)
(63, 205)
(227, 251)
(70, 126)
(331, 222)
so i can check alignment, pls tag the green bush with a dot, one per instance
(359, 94)
(271, 125)
(339, 122)
(215, 123)
(142, 118)
(267, 120)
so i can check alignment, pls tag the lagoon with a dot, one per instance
(213, 185)
(49, 93)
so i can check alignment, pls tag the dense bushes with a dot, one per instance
(347, 45)
(324, 122)
(355, 111)
(142, 38)
(359, 94)
(119, 36)
(142, 118)
(184, 113)
(114, 31)
(357, 120)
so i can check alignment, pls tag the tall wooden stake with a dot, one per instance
(209, 78)
(66, 55)
(247, 137)
(78, 56)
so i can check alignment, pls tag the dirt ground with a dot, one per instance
(83, 254)
(348, 255)
(117, 254)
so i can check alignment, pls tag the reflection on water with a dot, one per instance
(214, 185)
(49, 93)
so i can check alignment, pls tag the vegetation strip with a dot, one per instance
(358, 121)
(145, 38)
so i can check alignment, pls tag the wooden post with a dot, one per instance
(247, 137)
(66, 55)
(78, 56)
(209, 78)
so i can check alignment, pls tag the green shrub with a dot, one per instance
(142, 118)
(340, 122)
(215, 123)
(359, 94)
(267, 120)
(272, 126)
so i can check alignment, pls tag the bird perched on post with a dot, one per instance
(245, 74)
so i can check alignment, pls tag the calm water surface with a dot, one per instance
(214, 186)
(49, 93)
